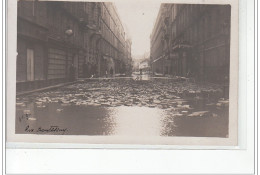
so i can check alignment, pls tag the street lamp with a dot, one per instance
(167, 39)
(99, 54)
(68, 33)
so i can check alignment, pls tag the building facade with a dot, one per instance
(114, 42)
(128, 57)
(156, 43)
(192, 40)
(60, 41)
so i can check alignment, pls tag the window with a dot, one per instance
(30, 65)
(209, 27)
(217, 23)
(205, 27)
(28, 8)
(201, 31)
(190, 35)
(33, 8)
(172, 13)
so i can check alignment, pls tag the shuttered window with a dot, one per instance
(57, 63)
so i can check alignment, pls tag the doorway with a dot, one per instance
(30, 65)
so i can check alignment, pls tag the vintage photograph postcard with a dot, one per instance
(123, 72)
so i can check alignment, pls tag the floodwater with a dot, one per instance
(125, 107)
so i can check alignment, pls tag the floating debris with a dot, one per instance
(38, 102)
(177, 114)
(170, 95)
(198, 114)
(151, 105)
(27, 111)
(59, 110)
(40, 106)
(184, 112)
(223, 103)
(31, 118)
(77, 95)
(214, 115)
(183, 106)
(96, 104)
(20, 104)
(210, 104)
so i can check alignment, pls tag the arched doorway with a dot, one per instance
(110, 65)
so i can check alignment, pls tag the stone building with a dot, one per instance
(60, 41)
(49, 43)
(113, 40)
(156, 44)
(192, 40)
(107, 38)
(128, 56)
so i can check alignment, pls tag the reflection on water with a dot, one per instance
(93, 120)
(93, 111)
(141, 77)
(123, 120)
(137, 121)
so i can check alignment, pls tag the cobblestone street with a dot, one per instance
(177, 107)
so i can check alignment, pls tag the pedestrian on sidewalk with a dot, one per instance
(111, 72)
(106, 74)
(85, 70)
(72, 73)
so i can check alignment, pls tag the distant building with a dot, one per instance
(60, 41)
(144, 65)
(128, 56)
(112, 51)
(192, 40)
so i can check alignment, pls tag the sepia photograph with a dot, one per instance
(125, 69)
(130, 86)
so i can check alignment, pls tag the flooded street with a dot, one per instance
(126, 106)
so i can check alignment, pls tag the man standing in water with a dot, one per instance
(141, 73)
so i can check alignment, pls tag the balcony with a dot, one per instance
(77, 11)
(29, 29)
(166, 21)
(181, 45)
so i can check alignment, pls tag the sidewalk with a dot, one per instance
(45, 88)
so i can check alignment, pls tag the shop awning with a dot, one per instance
(158, 59)
(181, 46)
(108, 58)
